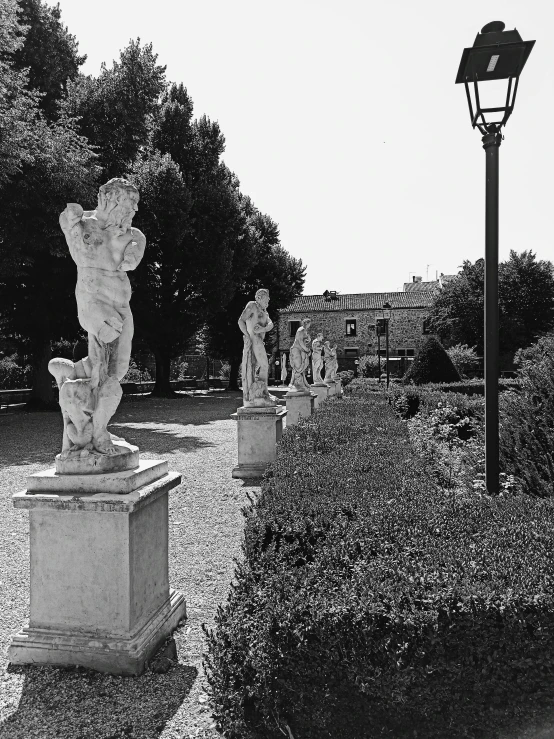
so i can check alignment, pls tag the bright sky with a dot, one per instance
(343, 122)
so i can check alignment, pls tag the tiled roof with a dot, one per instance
(425, 286)
(361, 301)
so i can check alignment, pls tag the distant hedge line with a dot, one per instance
(370, 603)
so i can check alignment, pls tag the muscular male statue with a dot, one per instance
(104, 246)
(254, 323)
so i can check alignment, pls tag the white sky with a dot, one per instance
(343, 122)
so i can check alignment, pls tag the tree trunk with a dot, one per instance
(162, 388)
(234, 374)
(42, 392)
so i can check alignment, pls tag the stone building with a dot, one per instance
(350, 322)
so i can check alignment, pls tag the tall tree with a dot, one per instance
(18, 104)
(116, 108)
(49, 52)
(526, 304)
(259, 261)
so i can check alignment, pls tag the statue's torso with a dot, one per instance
(258, 317)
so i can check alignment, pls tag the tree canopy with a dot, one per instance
(526, 303)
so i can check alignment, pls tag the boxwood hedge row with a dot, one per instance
(372, 604)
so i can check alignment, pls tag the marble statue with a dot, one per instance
(104, 246)
(283, 368)
(300, 357)
(331, 362)
(254, 323)
(317, 359)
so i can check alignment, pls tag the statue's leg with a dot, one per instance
(107, 401)
(261, 360)
(121, 351)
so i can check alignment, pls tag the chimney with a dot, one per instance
(416, 279)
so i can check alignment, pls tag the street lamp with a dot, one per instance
(386, 318)
(496, 54)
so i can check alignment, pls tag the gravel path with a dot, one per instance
(198, 438)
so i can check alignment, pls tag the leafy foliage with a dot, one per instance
(526, 304)
(527, 421)
(464, 358)
(371, 600)
(432, 364)
(369, 365)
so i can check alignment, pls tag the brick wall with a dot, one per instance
(405, 329)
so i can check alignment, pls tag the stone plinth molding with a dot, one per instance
(299, 405)
(258, 432)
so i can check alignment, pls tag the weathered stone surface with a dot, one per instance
(100, 592)
(124, 456)
(300, 357)
(104, 246)
(299, 405)
(317, 359)
(254, 323)
(321, 392)
(89, 489)
(258, 431)
(331, 363)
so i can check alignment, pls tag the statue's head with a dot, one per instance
(320, 337)
(119, 199)
(328, 344)
(262, 297)
(306, 322)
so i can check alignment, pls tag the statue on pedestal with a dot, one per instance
(254, 323)
(331, 362)
(317, 359)
(283, 368)
(300, 358)
(104, 246)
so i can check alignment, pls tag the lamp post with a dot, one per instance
(386, 318)
(496, 54)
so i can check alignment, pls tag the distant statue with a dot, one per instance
(104, 246)
(254, 323)
(300, 357)
(283, 368)
(317, 359)
(331, 362)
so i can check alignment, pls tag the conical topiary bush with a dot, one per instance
(432, 364)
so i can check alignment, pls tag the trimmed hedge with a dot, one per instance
(432, 364)
(370, 603)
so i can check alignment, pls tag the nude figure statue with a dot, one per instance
(104, 246)
(300, 357)
(317, 359)
(331, 362)
(254, 322)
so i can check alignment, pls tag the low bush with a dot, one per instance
(369, 365)
(432, 364)
(372, 603)
(464, 358)
(527, 421)
(14, 376)
(346, 376)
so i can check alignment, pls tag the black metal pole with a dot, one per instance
(491, 145)
(379, 353)
(388, 371)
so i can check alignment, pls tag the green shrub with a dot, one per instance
(527, 421)
(464, 358)
(372, 603)
(13, 376)
(369, 365)
(432, 364)
(346, 376)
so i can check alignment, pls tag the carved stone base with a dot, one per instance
(332, 388)
(259, 430)
(321, 392)
(126, 457)
(100, 593)
(299, 405)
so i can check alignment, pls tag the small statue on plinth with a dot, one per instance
(331, 362)
(317, 359)
(300, 358)
(283, 368)
(104, 246)
(254, 323)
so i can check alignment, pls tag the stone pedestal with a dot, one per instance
(100, 594)
(332, 388)
(259, 430)
(338, 387)
(321, 391)
(299, 405)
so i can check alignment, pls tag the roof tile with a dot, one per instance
(361, 301)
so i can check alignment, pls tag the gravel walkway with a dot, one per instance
(198, 438)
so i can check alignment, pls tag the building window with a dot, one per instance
(351, 327)
(406, 352)
(293, 328)
(426, 327)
